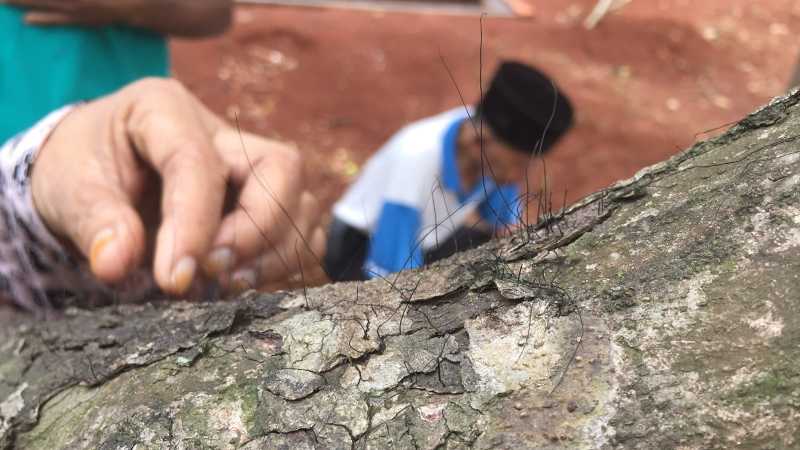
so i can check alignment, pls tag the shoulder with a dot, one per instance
(438, 123)
(426, 136)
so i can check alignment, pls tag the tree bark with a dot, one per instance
(662, 312)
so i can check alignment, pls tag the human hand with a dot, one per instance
(148, 173)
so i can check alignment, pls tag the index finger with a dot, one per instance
(165, 126)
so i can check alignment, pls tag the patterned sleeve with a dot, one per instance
(37, 272)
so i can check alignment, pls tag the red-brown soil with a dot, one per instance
(646, 81)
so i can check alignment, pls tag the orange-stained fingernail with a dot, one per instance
(183, 274)
(219, 261)
(99, 246)
(243, 280)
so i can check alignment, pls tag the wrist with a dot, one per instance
(40, 176)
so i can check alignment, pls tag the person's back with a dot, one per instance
(47, 67)
(410, 155)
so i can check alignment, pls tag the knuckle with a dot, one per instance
(308, 201)
(159, 85)
(290, 157)
(159, 93)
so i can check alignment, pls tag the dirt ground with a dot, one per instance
(646, 81)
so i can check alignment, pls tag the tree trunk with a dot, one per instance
(662, 312)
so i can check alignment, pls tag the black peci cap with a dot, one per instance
(523, 106)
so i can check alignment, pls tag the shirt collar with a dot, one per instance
(451, 177)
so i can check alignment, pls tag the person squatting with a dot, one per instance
(444, 183)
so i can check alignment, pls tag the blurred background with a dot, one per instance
(648, 77)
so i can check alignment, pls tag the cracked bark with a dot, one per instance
(661, 312)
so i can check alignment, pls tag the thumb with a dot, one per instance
(111, 237)
(93, 213)
(84, 185)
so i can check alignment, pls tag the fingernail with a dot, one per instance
(220, 260)
(100, 246)
(243, 280)
(183, 274)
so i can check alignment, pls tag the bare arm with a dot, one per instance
(187, 18)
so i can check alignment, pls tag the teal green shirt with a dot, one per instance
(44, 68)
